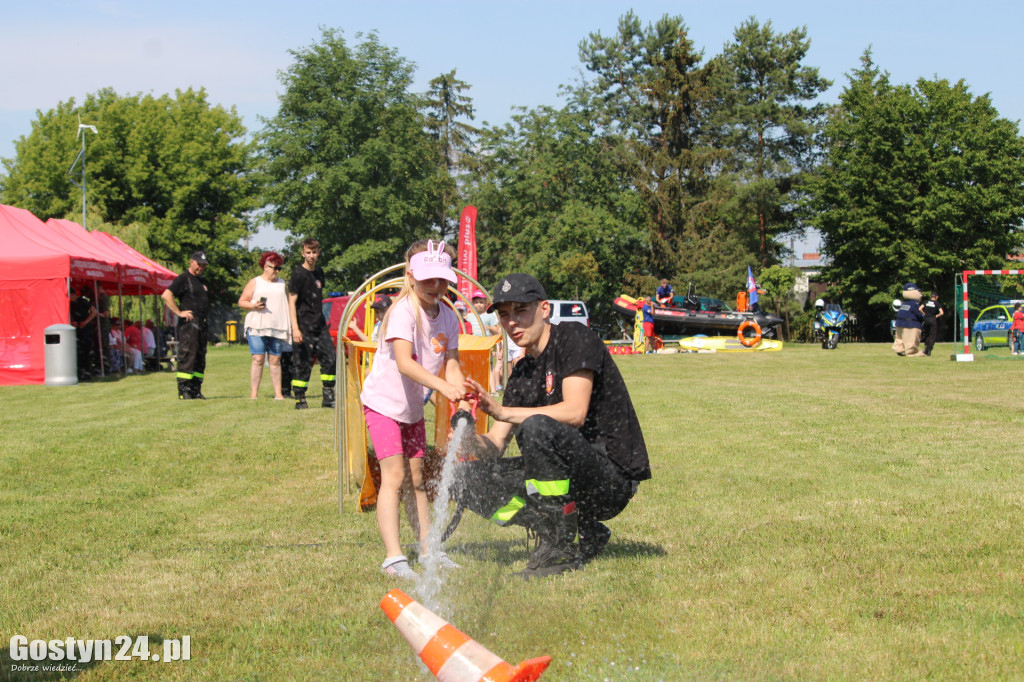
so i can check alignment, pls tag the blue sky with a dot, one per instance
(512, 53)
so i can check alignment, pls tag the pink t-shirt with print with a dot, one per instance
(386, 390)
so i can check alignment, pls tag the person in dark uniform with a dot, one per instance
(932, 310)
(310, 334)
(192, 328)
(583, 453)
(83, 318)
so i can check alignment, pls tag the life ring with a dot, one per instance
(752, 341)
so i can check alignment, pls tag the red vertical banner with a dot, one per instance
(467, 250)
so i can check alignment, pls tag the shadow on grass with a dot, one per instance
(47, 669)
(514, 548)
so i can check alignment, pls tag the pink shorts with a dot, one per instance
(390, 437)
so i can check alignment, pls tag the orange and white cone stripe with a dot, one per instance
(451, 655)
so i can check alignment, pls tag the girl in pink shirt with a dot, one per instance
(418, 338)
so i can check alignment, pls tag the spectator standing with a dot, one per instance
(380, 305)
(103, 318)
(311, 338)
(489, 319)
(1017, 331)
(83, 319)
(932, 311)
(192, 329)
(648, 312)
(267, 325)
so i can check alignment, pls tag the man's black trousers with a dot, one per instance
(551, 451)
(320, 346)
(191, 336)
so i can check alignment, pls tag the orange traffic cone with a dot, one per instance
(451, 655)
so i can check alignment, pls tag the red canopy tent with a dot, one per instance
(36, 264)
(33, 295)
(159, 277)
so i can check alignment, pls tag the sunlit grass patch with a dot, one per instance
(813, 515)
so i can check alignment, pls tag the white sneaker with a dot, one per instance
(398, 567)
(442, 559)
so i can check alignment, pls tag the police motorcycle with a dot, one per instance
(828, 323)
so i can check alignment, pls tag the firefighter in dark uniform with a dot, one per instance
(310, 334)
(83, 317)
(583, 453)
(932, 311)
(191, 331)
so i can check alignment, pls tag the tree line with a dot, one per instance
(660, 163)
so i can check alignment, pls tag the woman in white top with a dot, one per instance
(268, 324)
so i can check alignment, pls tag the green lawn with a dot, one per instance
(813, 514)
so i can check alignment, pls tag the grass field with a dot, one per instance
(813, 514)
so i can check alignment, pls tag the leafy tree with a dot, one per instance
(769, 125)
(651, 90)
(552, 202)
(920, 183)
(173, 172)
(777, 282)
(347, 158)
(455, 140)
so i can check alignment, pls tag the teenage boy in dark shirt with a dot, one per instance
(310, 334)
(583, 453)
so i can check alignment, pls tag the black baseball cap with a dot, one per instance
(517, 288)
(200, 257)
(381, 303)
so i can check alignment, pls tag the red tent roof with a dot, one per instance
(80, 238)
(157, 276)
(24, 255)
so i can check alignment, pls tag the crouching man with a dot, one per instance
(583, 453)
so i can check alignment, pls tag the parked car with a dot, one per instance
(569, 311)
(992, 326)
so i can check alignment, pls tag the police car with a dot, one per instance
(992, 326)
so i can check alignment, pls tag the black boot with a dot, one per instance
(556, 530)
(184, 389)
(197, 389)
(300, 399)
(594, 535)
(328, 397)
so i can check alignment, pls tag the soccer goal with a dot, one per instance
(987, 295)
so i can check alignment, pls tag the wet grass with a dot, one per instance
(813, 515)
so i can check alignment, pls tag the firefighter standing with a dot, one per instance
(192, 328)
(310, 334)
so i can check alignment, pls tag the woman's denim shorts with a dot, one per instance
(261, 345)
